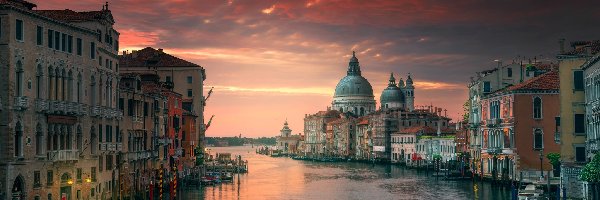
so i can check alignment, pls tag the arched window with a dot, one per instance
(63, 85)
(538, 139)
(18, 140)
(19, 80)
(50, 75)
(537, 108)
(93, 141)
(79, 139)
(38, 82)
(79, 88)
(341, 110)
(39, 140)
(69, 138)
(70, 85)
(57, 76)
(362, 111)
(93, 91)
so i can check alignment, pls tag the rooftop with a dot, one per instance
(149, 56)
(546, 81)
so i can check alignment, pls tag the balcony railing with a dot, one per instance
(139, 155)
(493, 122)
(110, 146)
(41, 105)
(21, 103)
(63, 155)
(494, 150)
(95, 111)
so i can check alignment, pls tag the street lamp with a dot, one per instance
(541, 163)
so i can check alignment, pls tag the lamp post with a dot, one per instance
(541, 163)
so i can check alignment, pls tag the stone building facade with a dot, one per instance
(574, 125)
(187, 79)
(58, 116)
(315, 126)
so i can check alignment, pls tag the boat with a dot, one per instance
(227, 177)
(530, 192)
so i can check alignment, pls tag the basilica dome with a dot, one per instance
(354, 93)
(352, 85)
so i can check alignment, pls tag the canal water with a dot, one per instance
(285, 178)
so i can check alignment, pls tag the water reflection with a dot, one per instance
(284, 178)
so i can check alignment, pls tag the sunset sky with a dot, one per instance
(272, 60)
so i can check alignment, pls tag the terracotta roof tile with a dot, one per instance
(425, 130)
(73, 16)
(546, 81)
(149, 56)
(593, 45)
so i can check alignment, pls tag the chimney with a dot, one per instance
(561, 43)
(124, 52)
(160, 50)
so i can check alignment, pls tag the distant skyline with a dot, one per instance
(272, 60)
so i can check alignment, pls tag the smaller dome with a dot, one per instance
(409, 80)
(392, 93)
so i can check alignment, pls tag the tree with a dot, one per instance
(466, 110)
(591, 174)
(554, 159)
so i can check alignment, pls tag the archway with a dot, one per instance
(65, 186)
(18, 188)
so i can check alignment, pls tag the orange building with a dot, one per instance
(188, 135)
(518, 125)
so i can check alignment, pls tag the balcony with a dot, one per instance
(138, 155)
(72, 108)
(136, 119)
(57, 107)
(110, 146)
(493, 122)
(63, 155)
(83, 109)
(41, 105)
(21, 103)
(95, 111)
(493, 150)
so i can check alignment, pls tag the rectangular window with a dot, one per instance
(36, 179)
(579, 123)
(93, 174)
(109, 162)
(70, 44)
(56, 40)
(19, 30)
(100, 163)
(509, 72)
(168, 79)
(40, 35)
(100, 60)
(118, 131)
(50, 38)
(92, 50)
(99, 134)
(578, 80)
(79, 174)
(146, 109)
(189, 93)
(49, 177)
(108, 135)
(79, 46)
(121, 104)
(487, 87)
(189, 79)
(580, 154)
(64, 42)
(130, 107)
(538, 139)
